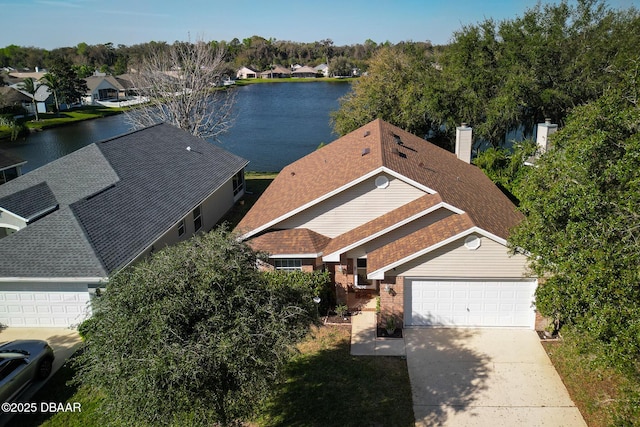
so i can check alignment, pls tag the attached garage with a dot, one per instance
(43, 304)
(469, 303)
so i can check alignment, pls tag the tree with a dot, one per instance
(53, 83)
(499, 76)
(29, 85)
(178, 84)
(582, 233)
(340, 66)
(391, 91)
(195, 335)
(71, 87)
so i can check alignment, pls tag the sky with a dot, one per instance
(50, 24)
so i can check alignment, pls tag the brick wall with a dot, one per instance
(392, 301)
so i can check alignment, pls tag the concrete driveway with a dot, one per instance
(485, 377)
(64, 342)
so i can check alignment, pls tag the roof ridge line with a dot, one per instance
(131, 132)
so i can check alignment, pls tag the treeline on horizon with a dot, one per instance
(256, 52)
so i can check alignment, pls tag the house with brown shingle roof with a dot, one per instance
(388, 213)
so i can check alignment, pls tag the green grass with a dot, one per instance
(324, 386)
(71, 116)
(256, 183)
(598, 392)
(59, 390)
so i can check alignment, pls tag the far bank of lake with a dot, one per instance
(275, 124)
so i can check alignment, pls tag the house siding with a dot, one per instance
(490, 260)
(353, 207)
(213, 208)
(398, 233)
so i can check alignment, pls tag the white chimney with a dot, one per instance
(464, 142)
(543, 132)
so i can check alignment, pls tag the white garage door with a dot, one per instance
(505, 303)
(43, 305)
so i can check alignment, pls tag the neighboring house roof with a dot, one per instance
(115, 198)
(475, 202)
(304, 70)
(94, 81)
(31, 202)
(12, 96)
(278, 69)
(36, 75)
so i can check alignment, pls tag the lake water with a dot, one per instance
(275, 124)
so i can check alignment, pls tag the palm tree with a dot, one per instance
(29, 85)
(53, 83)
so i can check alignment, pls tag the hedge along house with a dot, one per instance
(77, 220)
(389, 213)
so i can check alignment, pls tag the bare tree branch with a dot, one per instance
(180, 86)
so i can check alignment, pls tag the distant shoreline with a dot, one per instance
(244, 82)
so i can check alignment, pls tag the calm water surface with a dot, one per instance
(275, 124)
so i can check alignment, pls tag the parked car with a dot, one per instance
(22, 362)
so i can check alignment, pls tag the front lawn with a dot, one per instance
(324, 386)
(71, 116)
(601, 394)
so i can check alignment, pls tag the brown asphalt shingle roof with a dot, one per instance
(337, 164)
(385, 221)
(293, 241)
(418, 240)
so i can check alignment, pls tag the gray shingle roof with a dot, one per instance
(30, 202)
(116, 198)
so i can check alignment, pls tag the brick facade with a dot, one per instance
(392, 301)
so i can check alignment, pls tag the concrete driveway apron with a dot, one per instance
(485, 377)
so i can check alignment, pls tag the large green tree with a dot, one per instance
(499, 76)
(582, 225)
(196, 335)
(70, 87)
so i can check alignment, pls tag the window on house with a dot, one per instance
(238, 182)
(181, 228)
(288, 264)
(197, 218)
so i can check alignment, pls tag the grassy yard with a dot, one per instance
(325, 386)
(256, 183)
(48, 120)
(595, 390)
(70, 116)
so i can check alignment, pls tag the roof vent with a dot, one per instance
(401, 154)
(366, 133)
(365, 151)
(398, 140)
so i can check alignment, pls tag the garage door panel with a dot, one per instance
(29, 305)
(469, 303)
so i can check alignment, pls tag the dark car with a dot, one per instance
(22, 362)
